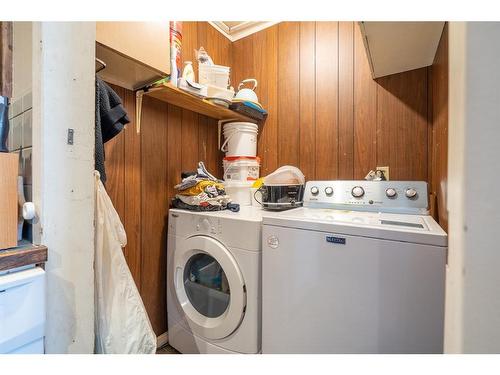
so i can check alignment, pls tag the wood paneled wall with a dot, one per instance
(143, 168)
(438, 150)
(326, 114)
(6, 41)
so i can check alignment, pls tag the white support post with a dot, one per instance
(63, 182)
(472, 323)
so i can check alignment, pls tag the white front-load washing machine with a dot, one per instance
(214, 281)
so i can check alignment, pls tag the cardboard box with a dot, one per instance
(9, 165)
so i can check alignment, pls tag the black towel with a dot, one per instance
(110, 117)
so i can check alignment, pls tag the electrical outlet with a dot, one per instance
(385, 170)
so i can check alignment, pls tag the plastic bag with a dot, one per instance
(286, 175)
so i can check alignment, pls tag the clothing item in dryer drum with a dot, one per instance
(206, 285)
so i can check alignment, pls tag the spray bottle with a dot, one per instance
(175, 51)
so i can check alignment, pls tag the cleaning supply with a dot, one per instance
(258, 183)
(188, 72)
(175, 51)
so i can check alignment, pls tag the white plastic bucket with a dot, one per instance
(239, 192)
(240, 139)
(216, 75)
(241, 169)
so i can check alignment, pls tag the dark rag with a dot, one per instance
(110, 117)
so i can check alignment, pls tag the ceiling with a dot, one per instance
(234, 30)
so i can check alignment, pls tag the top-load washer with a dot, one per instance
(214, 281)
(359, 269)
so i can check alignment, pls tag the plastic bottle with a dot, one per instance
(188, 72)
(175, 51)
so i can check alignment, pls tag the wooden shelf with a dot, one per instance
(168, 93)
(22, 256)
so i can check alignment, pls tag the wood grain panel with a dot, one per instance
(189, 44)
(346, 101)
(288, 88)
(307, 89)
(327, 100)
(365, 111)
(174, 148)
(132, 188)
(154, 207)
(439, 125)
(22, 256)
(208, 148)
(6, 41)
(256, 57)
(402, 124)
(264, 68)
(123, 171)
(189, 138)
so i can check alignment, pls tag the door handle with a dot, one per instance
(177, 277)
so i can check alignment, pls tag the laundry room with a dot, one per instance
(248, 187)
(326, 116)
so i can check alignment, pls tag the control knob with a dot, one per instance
(390, 192)
(411, 193)
(314, 190)
(329, 190)
(357, 192)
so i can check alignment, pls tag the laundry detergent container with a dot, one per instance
(240, 139)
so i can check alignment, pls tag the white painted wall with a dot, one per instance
(63, 182)
(473, 282)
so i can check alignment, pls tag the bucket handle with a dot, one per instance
(225, 142)
(220, 123)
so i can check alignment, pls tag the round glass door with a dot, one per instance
(206, 285)
(209, 287)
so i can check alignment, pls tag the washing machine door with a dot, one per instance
(209, 286)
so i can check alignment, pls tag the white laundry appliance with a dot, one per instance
(359, 269)
(214, 281)
(22, 310)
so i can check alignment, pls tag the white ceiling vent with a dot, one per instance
(234, 30)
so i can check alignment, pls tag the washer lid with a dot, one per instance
(408, 228)
(209, 287)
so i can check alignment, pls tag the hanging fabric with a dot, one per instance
(122, 325)
(110, 118)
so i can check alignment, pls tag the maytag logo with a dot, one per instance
(337, 240)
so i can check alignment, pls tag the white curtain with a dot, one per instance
(122, 325)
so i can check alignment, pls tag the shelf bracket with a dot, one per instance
(138, 109)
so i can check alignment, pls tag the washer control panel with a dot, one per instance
(381, 196)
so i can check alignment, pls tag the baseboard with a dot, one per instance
(162, 340)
